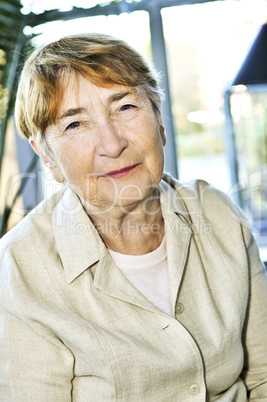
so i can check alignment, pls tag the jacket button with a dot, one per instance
(179, 308)
(194, 389)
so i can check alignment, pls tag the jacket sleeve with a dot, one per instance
(34, 363)
(254, 331)
(255, 327)
(32, 367)
(254, 335)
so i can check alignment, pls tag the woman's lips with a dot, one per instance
(120, 172)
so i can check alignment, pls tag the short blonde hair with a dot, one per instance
(100, 58)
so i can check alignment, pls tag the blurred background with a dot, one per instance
(213, 60)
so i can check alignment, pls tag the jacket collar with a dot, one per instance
(78, 242)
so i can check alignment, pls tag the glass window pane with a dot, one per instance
(206, 44)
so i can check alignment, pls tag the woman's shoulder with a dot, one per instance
(202, 200)
(36, 223)
(193, 190)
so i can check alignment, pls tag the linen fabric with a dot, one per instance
(73, 328)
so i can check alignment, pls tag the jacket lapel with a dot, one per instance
(178, 236)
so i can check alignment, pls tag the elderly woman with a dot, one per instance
(126, 285)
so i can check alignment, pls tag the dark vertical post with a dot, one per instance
(231, 147)
(160, 62)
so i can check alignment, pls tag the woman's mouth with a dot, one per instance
(115, 174)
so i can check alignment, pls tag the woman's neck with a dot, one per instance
(137, 231)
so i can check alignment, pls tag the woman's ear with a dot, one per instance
(162, 134)
(48, 161)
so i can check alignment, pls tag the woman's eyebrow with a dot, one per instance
(119, 95)
(72, 112)
(112, 98)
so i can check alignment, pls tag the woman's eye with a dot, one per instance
(73, 125)
(126, 107)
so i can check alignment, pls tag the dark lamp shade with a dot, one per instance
(254, 68)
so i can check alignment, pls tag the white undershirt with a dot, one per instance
(149, 274)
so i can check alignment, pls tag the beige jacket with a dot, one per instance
(72, 328)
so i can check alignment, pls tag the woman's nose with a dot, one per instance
(111, 141)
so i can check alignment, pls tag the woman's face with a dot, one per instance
(107, 144)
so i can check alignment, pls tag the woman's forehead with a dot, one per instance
(77, 91)
(70, 79)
